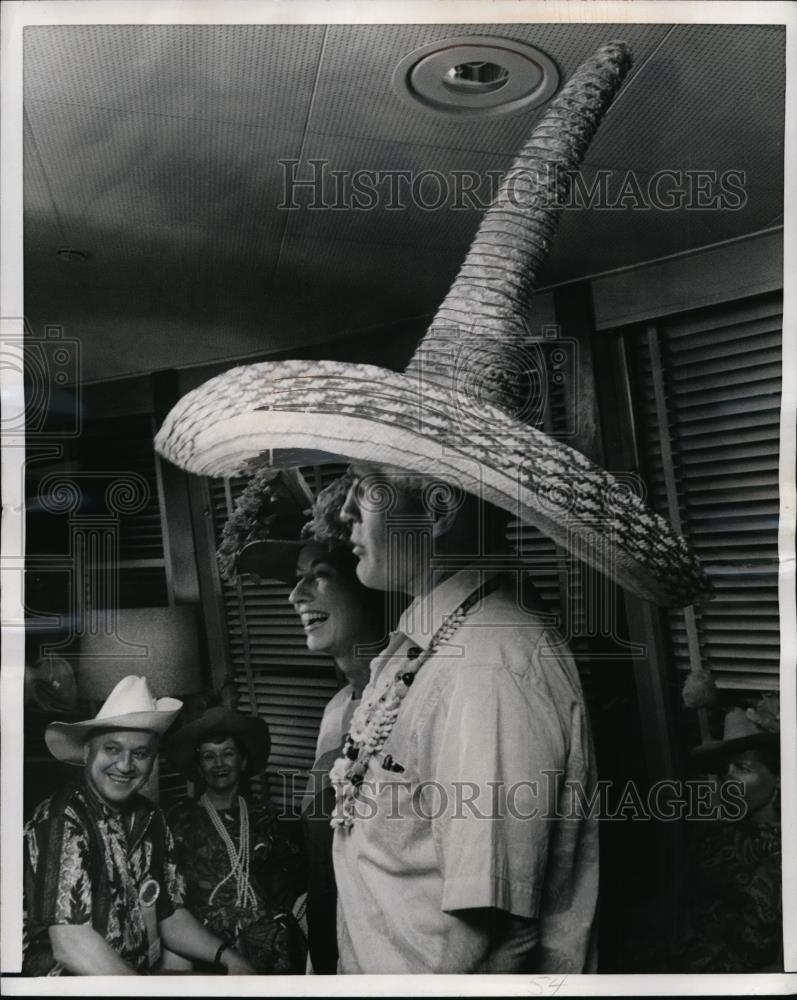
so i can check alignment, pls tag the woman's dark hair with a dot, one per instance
(219, 737)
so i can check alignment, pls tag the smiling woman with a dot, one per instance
(242, 875)
(345, 620)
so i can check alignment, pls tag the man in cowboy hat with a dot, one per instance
(101, 886)
(475, 694)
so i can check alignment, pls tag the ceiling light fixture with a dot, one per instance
(476, 75)
(71, 255)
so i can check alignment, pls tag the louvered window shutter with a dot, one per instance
(708, 410)
(275, 675)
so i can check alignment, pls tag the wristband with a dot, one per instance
(222, 948)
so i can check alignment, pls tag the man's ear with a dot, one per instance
(444, 521)
(86, 751)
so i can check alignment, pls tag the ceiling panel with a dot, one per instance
(157, 150)
(329, 291)
(589, 242)
(356, 97)
(354, 285)
(249, 74)
(711, 97)
(171, 180)
(415, 195)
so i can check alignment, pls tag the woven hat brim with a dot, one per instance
(251, 730)
(710, 754)
(65, 739)
(286, 412)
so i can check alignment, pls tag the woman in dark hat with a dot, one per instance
(266, 539)
(242, 875)
(732, 915)
(729, 913)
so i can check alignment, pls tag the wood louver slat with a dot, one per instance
(721, 369)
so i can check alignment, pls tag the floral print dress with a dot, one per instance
(265, 932)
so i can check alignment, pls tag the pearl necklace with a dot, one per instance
(373, 721)
(239, 860)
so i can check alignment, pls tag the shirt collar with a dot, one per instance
(424, 616)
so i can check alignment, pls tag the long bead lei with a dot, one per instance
(374, 718)
(239, 859)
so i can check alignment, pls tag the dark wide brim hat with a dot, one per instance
(740, 733)
(270, 559)
(249, 730)
(460, 412)
(275, 559)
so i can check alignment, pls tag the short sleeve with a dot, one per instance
(71, 901)
(497, 753)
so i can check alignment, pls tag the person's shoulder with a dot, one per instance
(339, 700)
(184, 811)
(505, 633)
(61, 802)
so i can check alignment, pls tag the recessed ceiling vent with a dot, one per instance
(476, 75)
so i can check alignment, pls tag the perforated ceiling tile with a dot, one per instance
(42, 226)
(157, 150)
(356, 98)
(254, 74)
(358, 284)
(138, 320)
(185, 182)
(589, 242)
(712, 97)
(398, 193)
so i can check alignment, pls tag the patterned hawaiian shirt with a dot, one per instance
(86, 864)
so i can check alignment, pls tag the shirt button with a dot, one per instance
(414, 652)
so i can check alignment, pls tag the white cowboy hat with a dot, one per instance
(458, 411)
(129, 706)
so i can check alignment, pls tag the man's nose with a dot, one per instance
(126, 763)
(350, 510)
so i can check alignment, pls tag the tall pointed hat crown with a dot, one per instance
(489, 304)
(458, 411)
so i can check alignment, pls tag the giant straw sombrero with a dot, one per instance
(457, 411)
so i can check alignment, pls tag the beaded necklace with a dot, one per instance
(239, 859)
(373, 721)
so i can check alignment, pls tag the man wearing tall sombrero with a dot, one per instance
(102, 890)
(459, 845)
